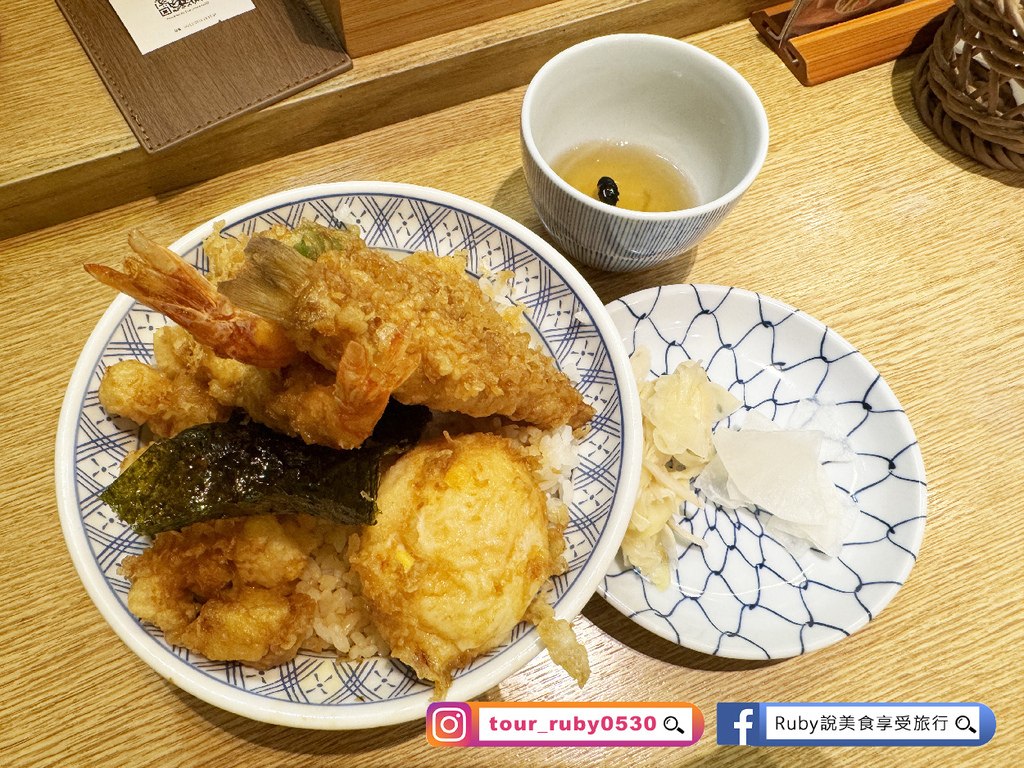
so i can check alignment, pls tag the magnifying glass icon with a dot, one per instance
(671, 723)
(963, 723)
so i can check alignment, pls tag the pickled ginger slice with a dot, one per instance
(682, 407)
(679, 412)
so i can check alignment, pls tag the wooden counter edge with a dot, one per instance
(444, 71)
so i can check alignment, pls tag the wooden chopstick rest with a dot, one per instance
(851, 46)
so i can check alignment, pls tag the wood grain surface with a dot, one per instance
(369, 26)
(860, 217)
(820, 55)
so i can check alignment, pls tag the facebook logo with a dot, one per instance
(738, 724)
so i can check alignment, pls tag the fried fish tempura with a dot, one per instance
(462, 546)
(468, 357)
(226, 588)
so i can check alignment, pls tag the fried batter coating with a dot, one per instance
(488, 368)
(558, 636)
(462, 546)
(168, 404)
(468, 357)
(226, 588)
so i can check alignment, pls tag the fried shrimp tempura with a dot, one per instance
(161, 279)
(226, 588)
(468, 357)
(192, 385)
(417, 329)
(462, 547)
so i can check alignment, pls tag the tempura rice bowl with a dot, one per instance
(316, 690)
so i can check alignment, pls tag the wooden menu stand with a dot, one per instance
(851, 46)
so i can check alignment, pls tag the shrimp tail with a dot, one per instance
(364, 383)
(157, 277)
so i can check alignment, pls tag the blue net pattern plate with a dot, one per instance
(745, 596)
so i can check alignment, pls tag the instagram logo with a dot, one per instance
(448, 724)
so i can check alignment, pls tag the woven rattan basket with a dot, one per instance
(969, 85)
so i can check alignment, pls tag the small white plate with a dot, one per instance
(316, 690)
(745, 596)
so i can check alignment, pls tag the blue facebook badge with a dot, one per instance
(738, 724)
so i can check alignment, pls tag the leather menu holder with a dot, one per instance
(236, 66)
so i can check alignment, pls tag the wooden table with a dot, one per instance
(860, 217)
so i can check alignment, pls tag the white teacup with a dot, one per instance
(669, 96)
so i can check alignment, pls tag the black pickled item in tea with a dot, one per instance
(238, 468)
(607, 190)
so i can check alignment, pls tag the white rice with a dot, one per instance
(555, 453)
(342, 619)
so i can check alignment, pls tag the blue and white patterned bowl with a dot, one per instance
(657, 92)
(316, 691)
(745, 596)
